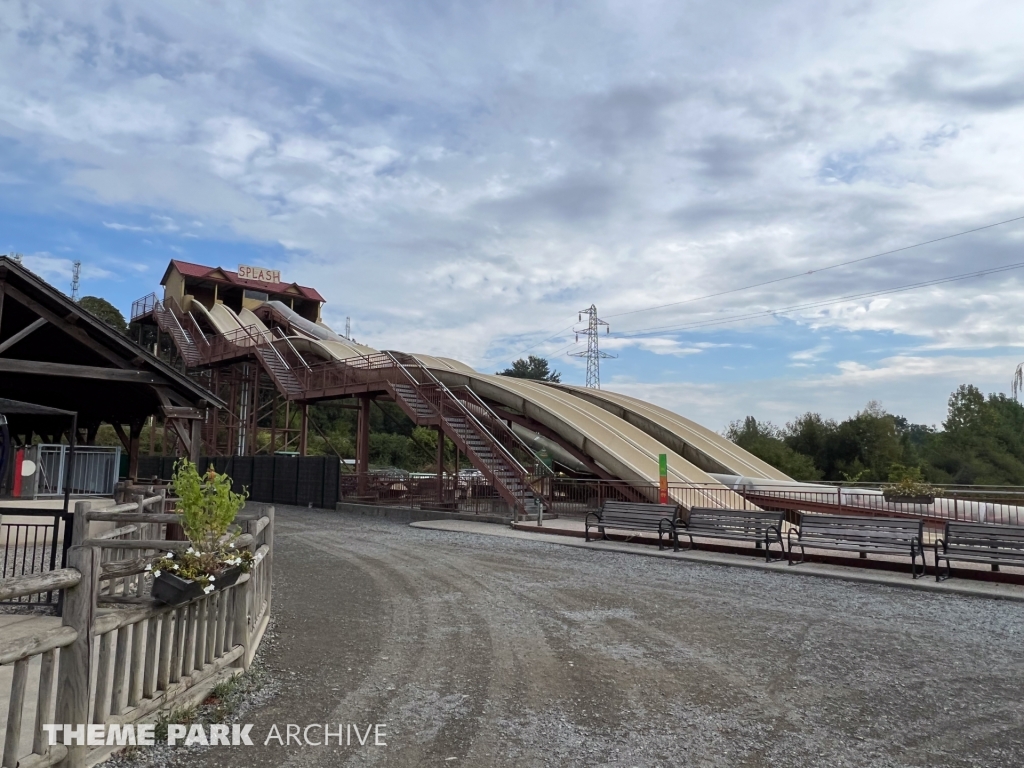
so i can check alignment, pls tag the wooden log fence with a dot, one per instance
(149, 657)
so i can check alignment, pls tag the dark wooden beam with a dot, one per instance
(133, 449)
(182, 431)
(125, 441)
(38, 368)
(181, 412)
(71, 330)
(34, 326)
(2, 284)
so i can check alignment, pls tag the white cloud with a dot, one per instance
(463, 185)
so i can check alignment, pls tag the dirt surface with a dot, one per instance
(485, 651)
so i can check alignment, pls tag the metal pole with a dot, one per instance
(66, 469)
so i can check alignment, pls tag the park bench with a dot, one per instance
(761, 528)
(851, 533)
(632, 516)
(979, 543)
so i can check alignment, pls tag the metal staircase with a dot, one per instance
(279, 370)
(168, 322)
(518, 475)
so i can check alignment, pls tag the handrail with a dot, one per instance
(466, 413)
(293, 349)
(31, 584)
(263, 334)
(197, 329)
(499, 421)
(472, 416)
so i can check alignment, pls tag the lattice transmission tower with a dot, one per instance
(76, 271)
(593, 353)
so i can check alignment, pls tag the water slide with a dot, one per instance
(621, 435)
(700, 445)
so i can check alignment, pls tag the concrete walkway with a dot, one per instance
(927, 583)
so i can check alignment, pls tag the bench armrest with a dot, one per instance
(595, 515)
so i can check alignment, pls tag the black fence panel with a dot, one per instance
(286, 477)
(301, 480)
(262, 488)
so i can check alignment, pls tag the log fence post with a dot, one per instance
(75, 666)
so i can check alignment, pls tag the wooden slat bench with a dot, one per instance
(761, 528)
(630, 516)
(852, 533)
(979, 543)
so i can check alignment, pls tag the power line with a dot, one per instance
(815, 271)
(823, 303)
(556, 335)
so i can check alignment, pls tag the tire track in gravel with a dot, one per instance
(412, 661)
(525, 653)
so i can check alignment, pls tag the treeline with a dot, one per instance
(981, 442)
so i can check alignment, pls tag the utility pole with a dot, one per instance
(76, 271)
(593, 353)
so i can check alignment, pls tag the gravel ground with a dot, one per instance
(492, 652)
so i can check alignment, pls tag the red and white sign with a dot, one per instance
(259, 274)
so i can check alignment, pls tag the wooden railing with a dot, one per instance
(148, 656)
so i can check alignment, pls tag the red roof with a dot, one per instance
(189, 269)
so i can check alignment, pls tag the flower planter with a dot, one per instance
(174, 590)
(898, 499)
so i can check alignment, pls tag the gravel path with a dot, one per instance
(490, 652)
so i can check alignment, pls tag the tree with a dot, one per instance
(534, 367)
(105, 311)
(764, 440)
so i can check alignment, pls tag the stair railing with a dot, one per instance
(295, 352)
(447, 398)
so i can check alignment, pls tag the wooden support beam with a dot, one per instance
(181, 412)
(119, 431)
(133, 450)
(37, 368)
(70, 329)
(195, 442)
(182, 433)
(30, 328)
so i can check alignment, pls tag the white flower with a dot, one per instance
(149, 567)
(211, 578)
(174, 566)
(208, 588)
(231, 544)
(191, 551)
(156, 573)
(170, 555)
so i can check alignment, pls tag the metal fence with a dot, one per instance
(295, 480)
(94, 471)
(571, 497)
(36, 543)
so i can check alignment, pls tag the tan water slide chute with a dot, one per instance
(624, 450)
(621, 435)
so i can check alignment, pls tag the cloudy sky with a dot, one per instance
(462, 178)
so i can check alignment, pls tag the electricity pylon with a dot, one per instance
(76, 271)
(593, 353)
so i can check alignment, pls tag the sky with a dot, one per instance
(462, 178)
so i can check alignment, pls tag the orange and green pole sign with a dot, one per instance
(663, 478)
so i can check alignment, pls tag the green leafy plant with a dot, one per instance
(207, 508)
(907, 481)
